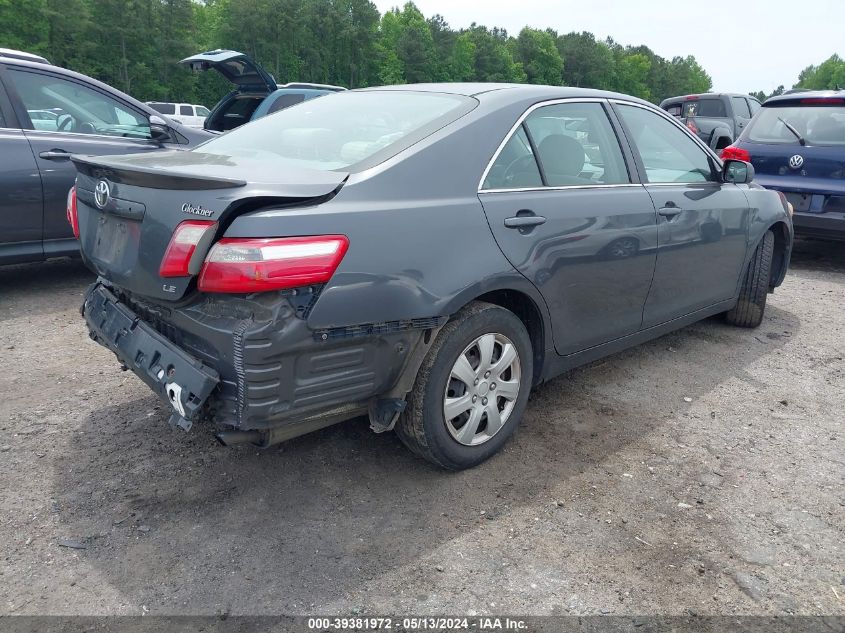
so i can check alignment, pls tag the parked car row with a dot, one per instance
(424, 255)
(795, 141)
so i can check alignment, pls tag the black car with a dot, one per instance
(48, 113)
(421, 254)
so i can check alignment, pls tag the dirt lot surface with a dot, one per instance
(702, 472)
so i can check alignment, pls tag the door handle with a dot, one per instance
(670, 212)
(524, 221)
(55, 154)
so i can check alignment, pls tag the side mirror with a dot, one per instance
(737, 172)
(160, 130)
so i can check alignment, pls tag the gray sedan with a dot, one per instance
(423, 255)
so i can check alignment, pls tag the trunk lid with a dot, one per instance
(129, 207)
(800, 168)
(240, 69)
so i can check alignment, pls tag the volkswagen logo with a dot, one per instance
(101, 194)
(796, 162)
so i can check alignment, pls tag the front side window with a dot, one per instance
(77, 108)
(576, 145)
(666, 151)
(343, 129)
(817, 125)
(755, 106)
(202, 111)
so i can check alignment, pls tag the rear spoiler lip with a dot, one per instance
(100, 167)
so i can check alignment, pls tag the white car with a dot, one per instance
(184, 113)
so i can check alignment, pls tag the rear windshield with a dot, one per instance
(819, 125)
(674, 109)
(343, 128)
(705, 107)
(164, 108)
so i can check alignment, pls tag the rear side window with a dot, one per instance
(186, 110)
(818, 125)
(741, 108)
(515, 167)
(285, 101)
(705, 107)
(164, 108)
(343, 129)
(576, 145)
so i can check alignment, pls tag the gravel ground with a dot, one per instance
(702, 472)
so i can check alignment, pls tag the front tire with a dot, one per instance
(471, 390)
(749, 309)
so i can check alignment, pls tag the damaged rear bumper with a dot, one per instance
(253, 364)
(179, 379)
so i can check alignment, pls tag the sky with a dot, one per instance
(745, 45)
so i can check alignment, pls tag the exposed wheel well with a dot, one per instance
(523, 307)
(779, 255)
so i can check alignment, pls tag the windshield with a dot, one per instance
(343, 129)
(818, 125)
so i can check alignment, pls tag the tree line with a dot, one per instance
(135, 45)
(829, 75)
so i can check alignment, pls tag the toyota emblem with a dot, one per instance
(101, 194)
(796, 162)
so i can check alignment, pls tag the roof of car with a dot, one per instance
(519, 91)
(705, 95)
(798, 97)
(304, 85)
(30, 57)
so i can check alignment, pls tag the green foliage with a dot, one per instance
(829, 75)
(540, 58)
(135, 45)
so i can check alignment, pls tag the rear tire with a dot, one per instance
(490, 347)
(749, 309)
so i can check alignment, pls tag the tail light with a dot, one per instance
(733, 152)
(692, 126)
(237, 265)
(180, 251)
(823, 101)
(72, 213)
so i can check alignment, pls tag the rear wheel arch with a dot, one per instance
(531, 315)
(780, 259)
